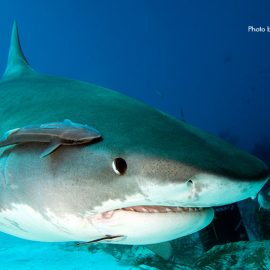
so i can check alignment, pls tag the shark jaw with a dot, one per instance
(146, 224)
(161, 217)
(133, 225)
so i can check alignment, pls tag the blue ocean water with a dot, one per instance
(195, 60)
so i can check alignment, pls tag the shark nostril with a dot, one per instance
(189, 183)
(119, 166)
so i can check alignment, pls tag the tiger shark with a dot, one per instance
(150, 179)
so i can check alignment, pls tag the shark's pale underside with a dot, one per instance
(150, 179)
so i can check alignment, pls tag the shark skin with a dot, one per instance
(173, 173)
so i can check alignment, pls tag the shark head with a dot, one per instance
(150, 179)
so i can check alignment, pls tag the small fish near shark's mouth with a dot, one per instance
(149, 224)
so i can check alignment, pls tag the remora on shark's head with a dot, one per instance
(151, 179)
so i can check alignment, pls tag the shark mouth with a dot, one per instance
(161, 209)
(148, 224)
(154, 209)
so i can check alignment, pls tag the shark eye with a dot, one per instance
(119, 166)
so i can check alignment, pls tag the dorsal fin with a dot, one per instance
(17, 63)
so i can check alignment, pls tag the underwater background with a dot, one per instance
(195, 60)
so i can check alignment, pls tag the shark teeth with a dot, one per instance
(160, 209)
(149, 209)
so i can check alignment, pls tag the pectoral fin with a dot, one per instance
(51, 148)
(106, 239)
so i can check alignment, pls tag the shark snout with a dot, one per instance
(202, 190)
(206, 190)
